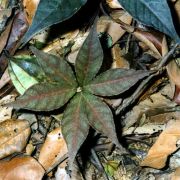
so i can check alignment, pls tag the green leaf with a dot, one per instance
(115, 81)
(57, 69)
(154, 13)
(24, 72)
(100, 116)
(44, 97)
(89, 58)
(51, 12)
(75, 126)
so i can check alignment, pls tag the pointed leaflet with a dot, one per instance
(89, 58)
(51, 12)
(100, 116)
(155, 13)
(57, 69)
(115, 81)
(75, 126)
(44, 97)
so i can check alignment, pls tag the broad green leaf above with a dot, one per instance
(75, 126)
(89, 58)
(51, 12)
(154, 13)
(44, 97)
(115, 81)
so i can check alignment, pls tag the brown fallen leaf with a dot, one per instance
(30, 7)
(13, 136)
(105, 24)
(114, 4)
(19, 27)
(164, 146)
(6, 112)
(53, 149)
(21, 168)
(4, 36)
(176, 175)
(4, 15)
(5, 78)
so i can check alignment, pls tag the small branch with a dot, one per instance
(167, 56)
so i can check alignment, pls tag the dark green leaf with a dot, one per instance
(89, 59)
(154, 13)
(75, 126)
(115, 81)
(100, 116)
(57, 69)
(44, 97)
(51, 12)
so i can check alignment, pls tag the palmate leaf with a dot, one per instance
(115, 81)
(100, 117)
(51, 12)
(154, 13)
(75, 126)
(44, 97)
(57, 69)
(89, 58)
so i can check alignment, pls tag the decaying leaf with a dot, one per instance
(30, 8)
(19, 27)
(4, 15)
(114, 4)
(176, 175)
(13, 136)
(6, 112)
(21, 168)
(106, 25)
(164, 146)
(53, 149)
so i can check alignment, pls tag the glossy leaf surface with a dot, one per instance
(51, 12)
(154, 13)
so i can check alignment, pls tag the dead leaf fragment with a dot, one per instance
(30, 8)
(6, 112)
(13, 136)
(164, 146)
(114, 4)
(21, 168)
(176, 174)
(53, 149)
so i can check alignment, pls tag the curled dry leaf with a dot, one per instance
(30, 8)
(164, 146)
(114, 4)
(19, 27)
(21, 168)
(105, 24)
(53, 149)
(6, 112)
(173, 70)
(13, 136)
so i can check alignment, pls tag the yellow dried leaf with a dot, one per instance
(13, 136)
(53, 149)
(164, 146)
(114, 4)
(21, 168)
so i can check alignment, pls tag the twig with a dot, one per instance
(167, 56)
(128, 101)
(99, 164)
